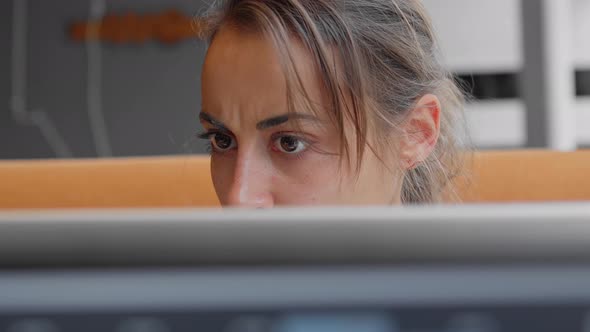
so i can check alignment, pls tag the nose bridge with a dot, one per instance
(242, 172)
(250, 183)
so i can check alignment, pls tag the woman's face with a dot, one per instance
(262, 155)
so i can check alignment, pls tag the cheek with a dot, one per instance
(308, 182)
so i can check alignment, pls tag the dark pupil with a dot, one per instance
(289, 144)
(222, 141)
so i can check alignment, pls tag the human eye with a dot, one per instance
(289, 144)
(220, 142)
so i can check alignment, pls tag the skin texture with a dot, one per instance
(263, 158)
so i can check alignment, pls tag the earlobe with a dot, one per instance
(421, 131)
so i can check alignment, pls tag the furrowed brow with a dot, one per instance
(284, 118)
(206, 117)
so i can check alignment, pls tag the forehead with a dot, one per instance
(243, 74)
(235, 58)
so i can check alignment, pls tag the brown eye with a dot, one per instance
(290, 144)
(222, 142)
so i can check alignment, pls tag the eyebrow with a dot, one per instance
(206, 117)
(262, 125)
(281, 119)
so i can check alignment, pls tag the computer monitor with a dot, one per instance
(512, 268)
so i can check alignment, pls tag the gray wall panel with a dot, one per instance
(151, 92)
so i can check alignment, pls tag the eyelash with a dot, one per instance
(207, 135)
(308, 144)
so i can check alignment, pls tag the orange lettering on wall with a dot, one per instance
(168, 27)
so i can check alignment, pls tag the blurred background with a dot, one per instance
(67, 90)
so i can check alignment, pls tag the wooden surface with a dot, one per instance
(183, 181)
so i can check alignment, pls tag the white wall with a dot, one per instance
(484, 36)
(502, 123)
(582, 33)
(478, 35)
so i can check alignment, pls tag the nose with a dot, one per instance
(250, 185)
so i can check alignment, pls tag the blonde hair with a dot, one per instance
(388, 58)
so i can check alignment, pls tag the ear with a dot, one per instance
(421, 130)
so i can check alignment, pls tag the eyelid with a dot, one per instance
(309, 144)
(210, 132)
(299, 136)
